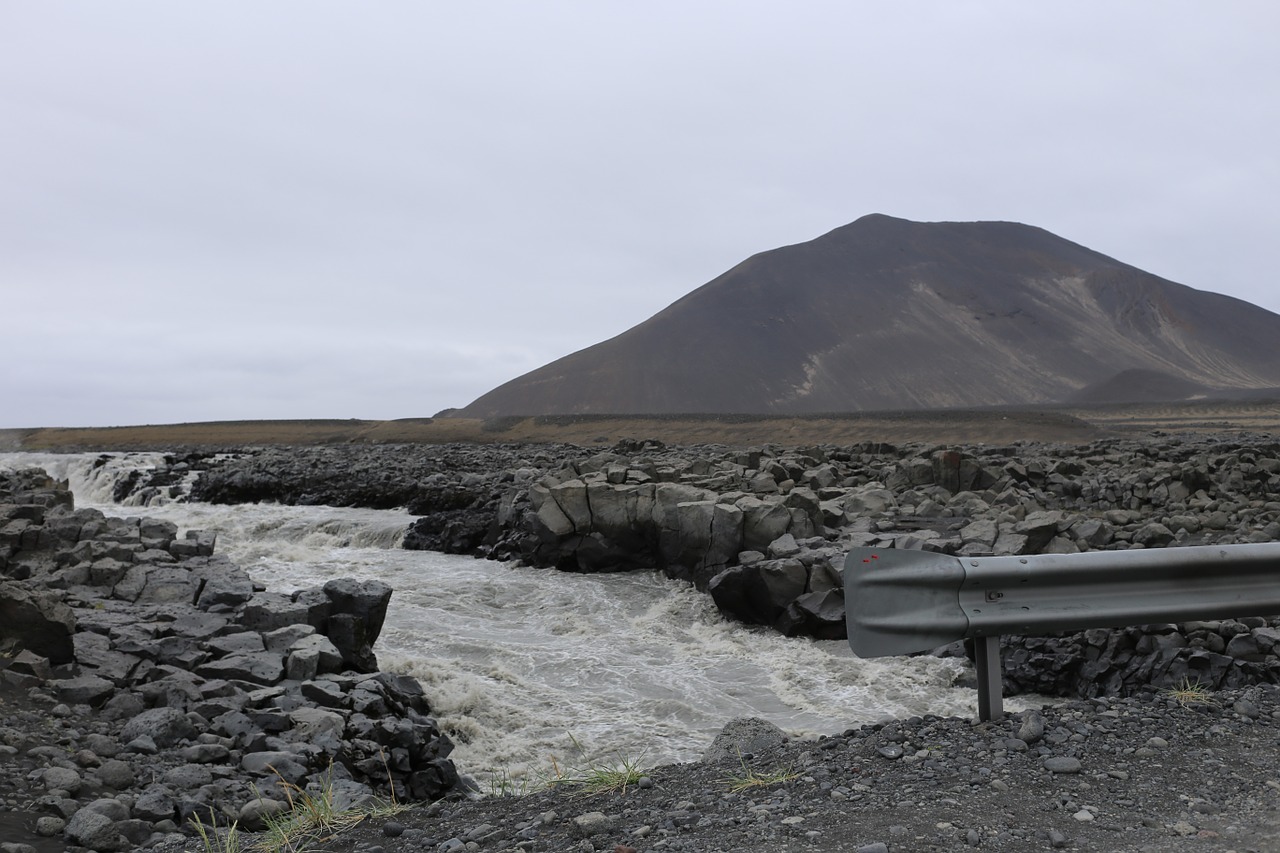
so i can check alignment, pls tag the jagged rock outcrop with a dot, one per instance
(37, 621)
(172, 659)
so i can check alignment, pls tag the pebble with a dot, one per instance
(1032, 729)
(593, 823)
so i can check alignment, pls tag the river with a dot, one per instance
(530, 670)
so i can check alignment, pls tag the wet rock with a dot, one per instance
(358, 611)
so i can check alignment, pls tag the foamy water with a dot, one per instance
(527, 666)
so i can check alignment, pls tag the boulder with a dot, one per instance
(269, 611)
(165, 726)
(287, 766)
(92, 829)
(759, 593)
(226, 588)
(312, 655)
(739, 593)
(39, 620)
(356, 613)
(156, 802)
(350, 637)
(763, 521)
(144, 584)
(83, 690)
(241, 642)
(257, 668)
(743, 737)
(256, 814)
(318, 727)
(815, 614)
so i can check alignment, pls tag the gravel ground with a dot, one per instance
(1144, 773)
(1135, 774)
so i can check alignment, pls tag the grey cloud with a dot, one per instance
(320, 209)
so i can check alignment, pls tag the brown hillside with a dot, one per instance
(890, 314)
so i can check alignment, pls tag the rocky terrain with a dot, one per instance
(763, 530)
(146, 683)
(1146, 774)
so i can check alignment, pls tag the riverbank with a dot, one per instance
(1158, 773)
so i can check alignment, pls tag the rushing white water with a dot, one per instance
(532, 668)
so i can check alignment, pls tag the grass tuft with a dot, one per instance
(311, 817)
(751, 778)
(595, 777)
(1188, 692)
(606, 778)
(214, 841)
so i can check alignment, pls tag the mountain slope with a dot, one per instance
(884, 313)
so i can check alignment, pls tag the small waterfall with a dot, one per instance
(94, 478)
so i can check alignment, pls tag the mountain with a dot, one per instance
(885, 313)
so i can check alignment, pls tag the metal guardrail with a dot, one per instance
(900, 601)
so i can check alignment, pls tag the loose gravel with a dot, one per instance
(1146, 774)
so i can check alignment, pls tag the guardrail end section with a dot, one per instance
(898, 602)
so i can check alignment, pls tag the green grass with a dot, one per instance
(614, 776)
(506, 784)
(214, 841)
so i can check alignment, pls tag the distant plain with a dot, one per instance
(1071, 425)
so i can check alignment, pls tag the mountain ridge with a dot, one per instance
(886, 313)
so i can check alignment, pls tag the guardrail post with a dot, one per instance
(986, 658)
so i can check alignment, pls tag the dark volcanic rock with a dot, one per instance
(148, 661)
(39, 620)
(764, 530)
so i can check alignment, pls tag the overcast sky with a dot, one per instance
(215, 211)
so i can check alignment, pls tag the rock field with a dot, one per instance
(765, 530)
(147, 681)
